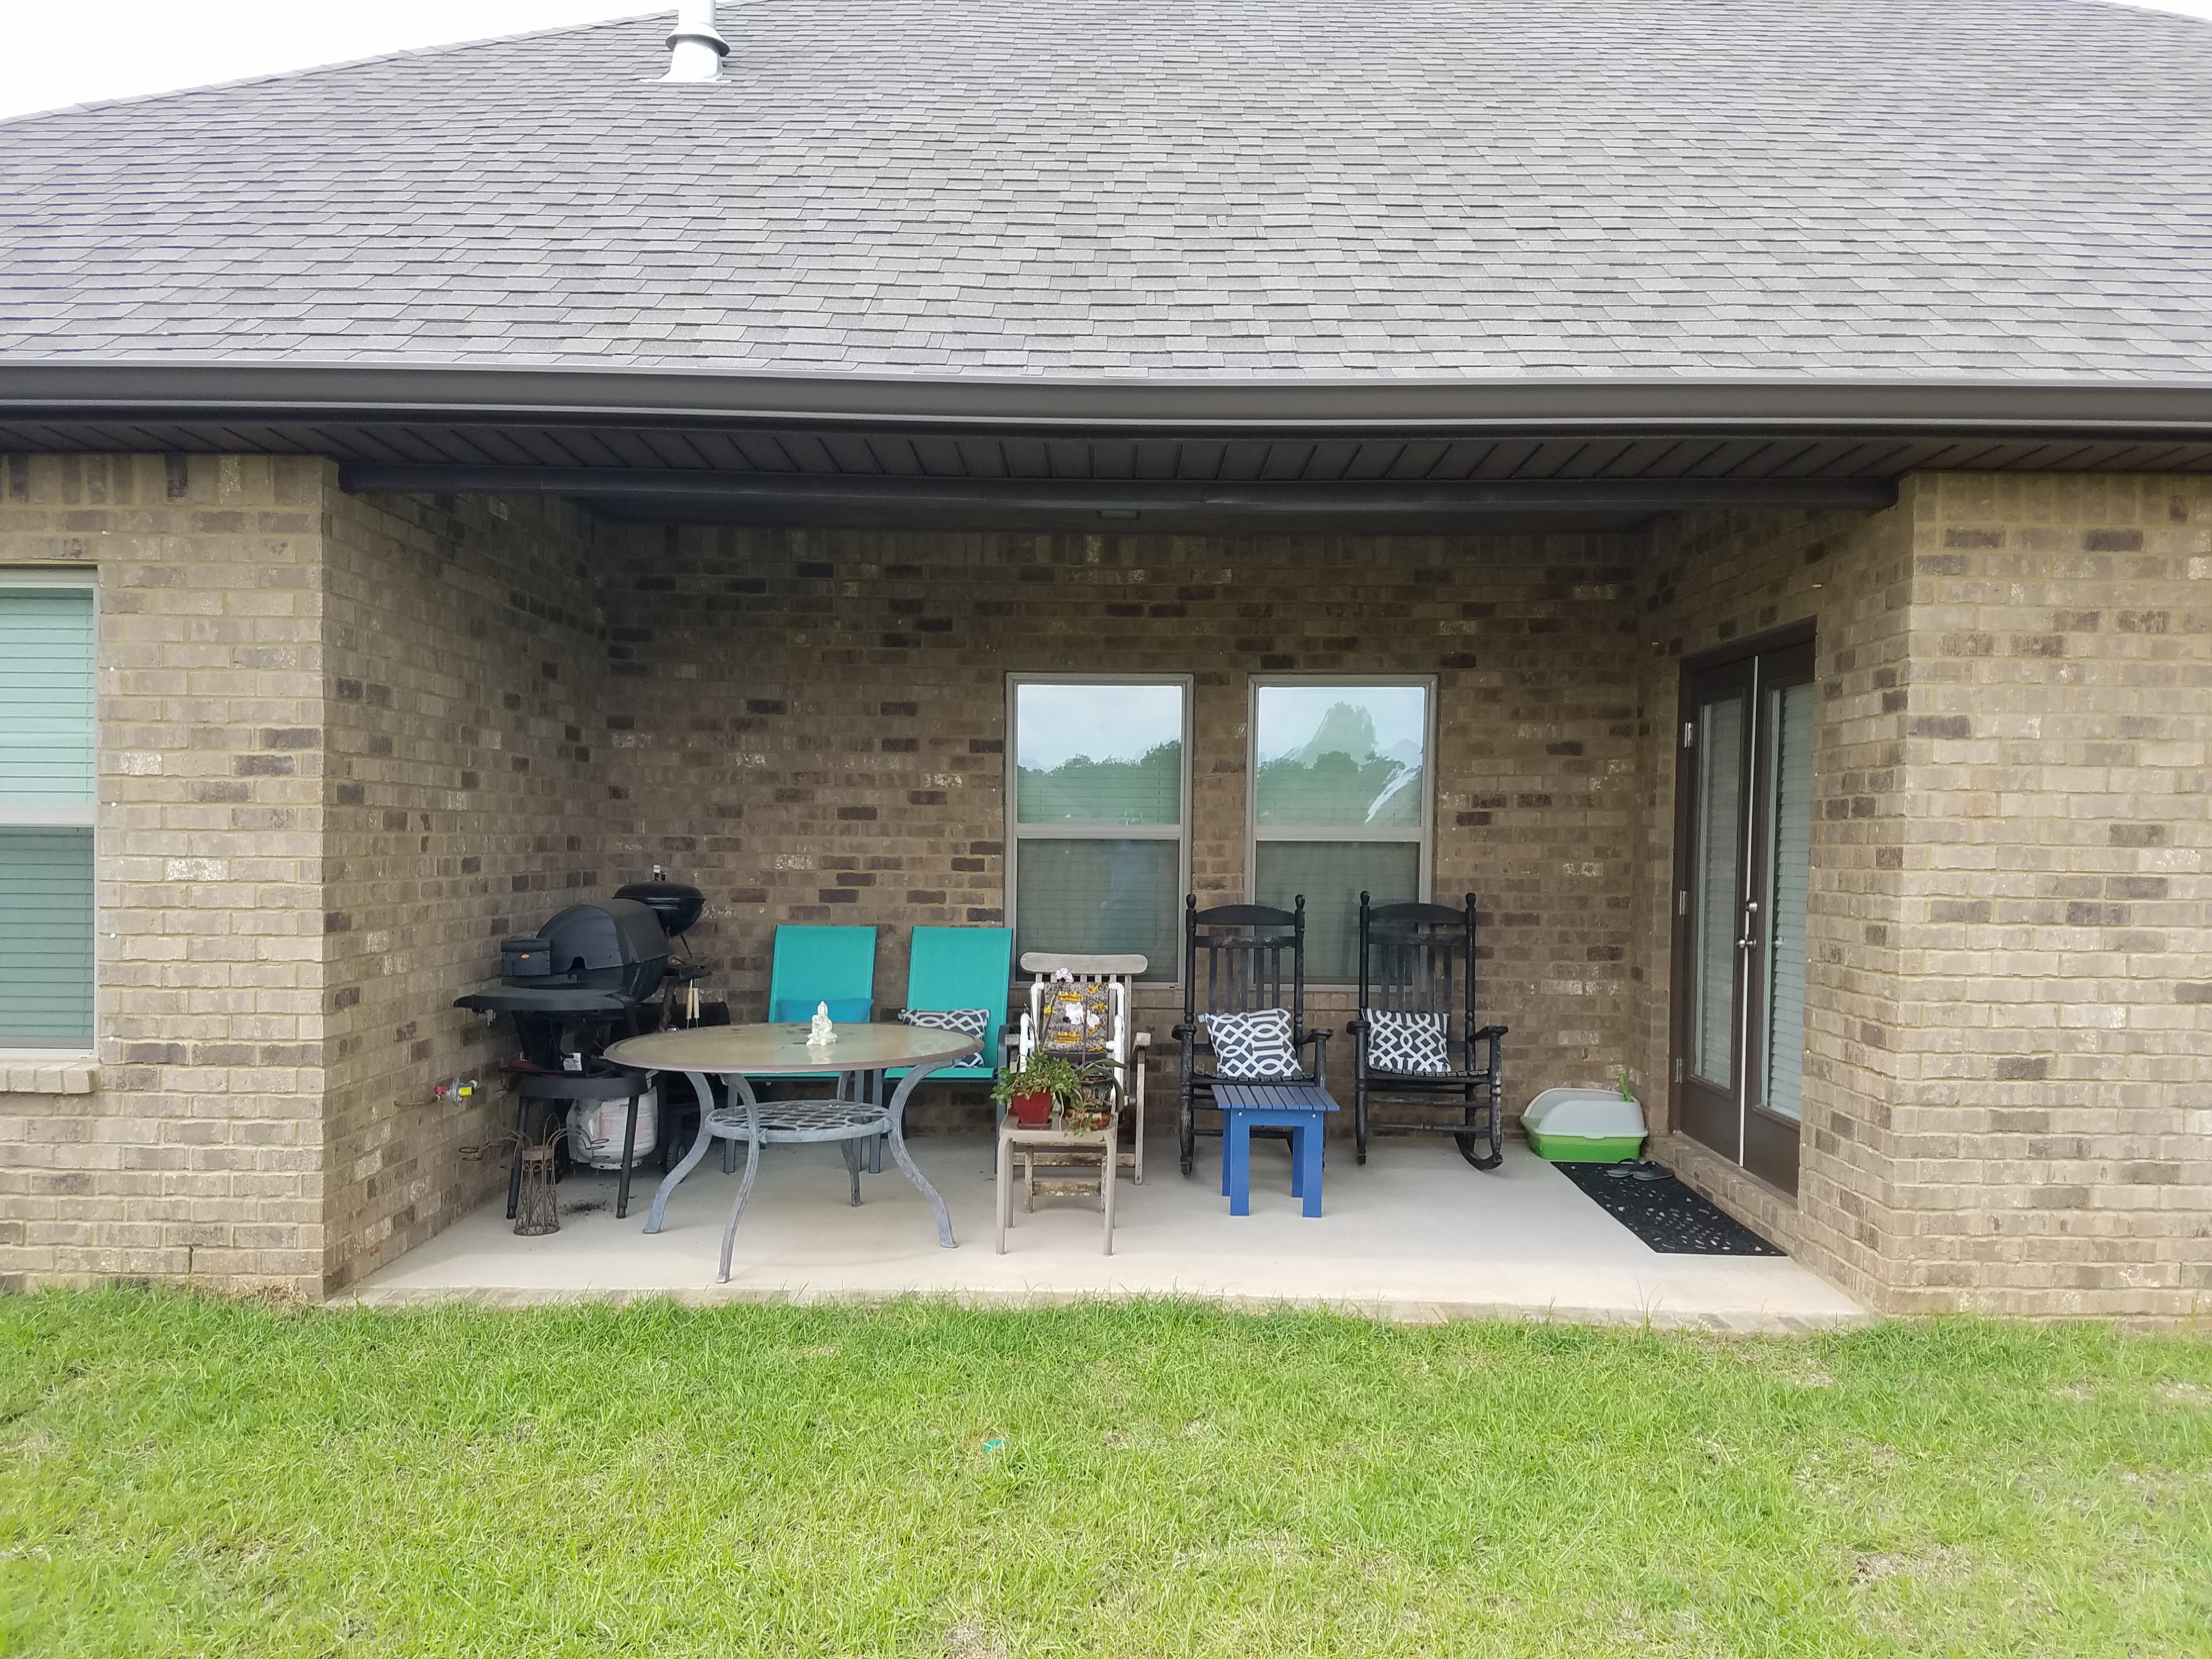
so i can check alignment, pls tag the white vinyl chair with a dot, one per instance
(1120, 1042)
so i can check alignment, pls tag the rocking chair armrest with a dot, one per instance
(1319, 1041)
(1354, 1028)
(1143, 1039)
(1183, 1031)
(1489, 1033)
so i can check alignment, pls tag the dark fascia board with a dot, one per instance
(1364, 500)
(55, 388)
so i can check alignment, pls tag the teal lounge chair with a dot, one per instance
(814, 965)
(965, 967)
(811, 966)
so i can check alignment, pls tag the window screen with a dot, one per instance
(1340, 805)
(45, 816)
(1099, 807)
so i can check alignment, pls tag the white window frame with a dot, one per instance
(1017, 832)
(1255, 832)
(18, 815)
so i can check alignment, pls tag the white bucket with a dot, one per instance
(595, 1130)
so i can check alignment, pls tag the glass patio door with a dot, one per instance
(1746, 780)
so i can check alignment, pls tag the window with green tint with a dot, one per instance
(1332, 874)
(45, 945)
(1341, 804)
(47, 761)
(1104, 897)
(1340, 757)
(1098, 754)
(1097, 827)
(45, 698)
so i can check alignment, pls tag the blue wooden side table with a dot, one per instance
(1301, 1108)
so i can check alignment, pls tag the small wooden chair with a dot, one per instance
(1122, 1042)
(1050, 1145)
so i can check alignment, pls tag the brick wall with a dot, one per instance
(333, 772)
(466, 774)
(811, 725)
(2053, 1132)
(2009, 1020)
(1718, 580)
(199, 1154)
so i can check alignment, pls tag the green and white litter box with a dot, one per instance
(1585, 1126)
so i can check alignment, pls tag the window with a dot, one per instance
(45, 810)
(1340, 802)
(1100, 793)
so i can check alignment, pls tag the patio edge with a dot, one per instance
(1392, 1310)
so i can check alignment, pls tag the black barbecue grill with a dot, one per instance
(586, 976)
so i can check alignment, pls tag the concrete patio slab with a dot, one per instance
(1415, 1235)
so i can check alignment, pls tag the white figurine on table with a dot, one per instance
(821, 1034)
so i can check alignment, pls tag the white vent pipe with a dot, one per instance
(695, 49)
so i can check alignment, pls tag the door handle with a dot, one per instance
(1750, 940)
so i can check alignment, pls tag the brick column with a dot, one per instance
(2009, 981)
(198, 1153)
(2052, 1136)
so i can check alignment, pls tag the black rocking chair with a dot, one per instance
(1233, 963)
(1420, 959)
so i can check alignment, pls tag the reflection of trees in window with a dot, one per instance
(1336, 777)
(1081, 790)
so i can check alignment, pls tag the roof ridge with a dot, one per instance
(437, 50)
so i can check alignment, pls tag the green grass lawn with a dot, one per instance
(189, 1476)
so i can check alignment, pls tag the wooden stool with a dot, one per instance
(1098, 1142)
(1301, 1108)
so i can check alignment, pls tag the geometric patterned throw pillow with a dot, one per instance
(1250, 1047)
(969, 1021)
(1405, 1043)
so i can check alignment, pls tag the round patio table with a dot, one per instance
(860, 1057)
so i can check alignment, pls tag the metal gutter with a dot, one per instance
(681, 399)
(1367, 502)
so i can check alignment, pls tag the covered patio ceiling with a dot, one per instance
(1416, 455)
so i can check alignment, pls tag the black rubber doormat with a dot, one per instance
(1665, 1214)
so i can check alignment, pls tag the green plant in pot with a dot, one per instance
(1032, 1090)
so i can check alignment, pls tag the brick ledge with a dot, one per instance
(48, 1072)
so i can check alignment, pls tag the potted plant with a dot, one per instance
(1098, 1099)
(1031, 1090)
(1034, 1090)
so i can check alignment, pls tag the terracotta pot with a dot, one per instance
(1032, 1110)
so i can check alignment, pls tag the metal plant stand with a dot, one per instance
(537, 1200)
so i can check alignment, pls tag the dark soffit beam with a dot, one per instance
(1163, 522)
(1364, 500)
(695, 399)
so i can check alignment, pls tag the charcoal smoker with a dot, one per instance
(586, 978)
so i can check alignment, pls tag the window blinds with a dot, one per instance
(1719, 756)
(45, 947)
(46, 757)
(45, 701)
(1790, 867)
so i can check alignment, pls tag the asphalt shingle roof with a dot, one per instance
(1075, 188)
